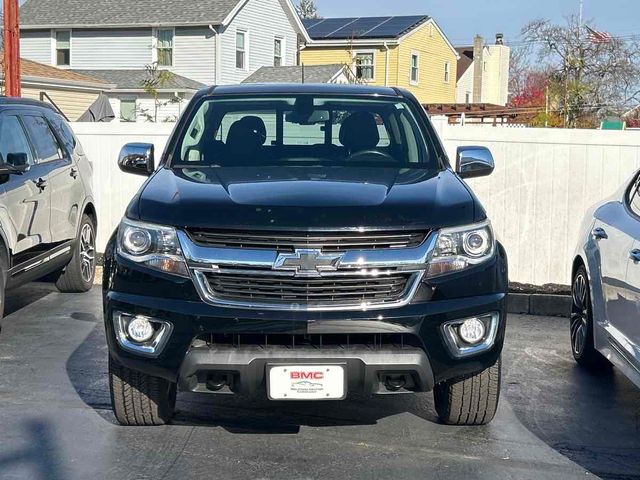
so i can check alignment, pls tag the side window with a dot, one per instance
(45, 143)
(413, 142)
(63, 132)
(634, 197)
(14, 146)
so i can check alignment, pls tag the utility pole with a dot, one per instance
(581, 13)
(11, 48)
(546, 110)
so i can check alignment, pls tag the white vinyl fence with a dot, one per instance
(113, 189)
(545, 180)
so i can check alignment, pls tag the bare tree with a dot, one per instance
(589, 79)
(155, 80)
(519, 68)
(307, 9)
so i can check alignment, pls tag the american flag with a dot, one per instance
(595, 36)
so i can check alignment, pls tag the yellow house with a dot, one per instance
(409, 52)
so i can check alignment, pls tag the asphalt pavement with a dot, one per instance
(554, 420)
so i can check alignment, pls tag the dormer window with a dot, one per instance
(63, 48)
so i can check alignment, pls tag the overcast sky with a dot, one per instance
(462, 19)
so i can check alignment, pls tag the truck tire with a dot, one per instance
(78, 275)
(470, 401)
(139, 399)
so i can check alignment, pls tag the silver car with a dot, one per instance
(605, 315)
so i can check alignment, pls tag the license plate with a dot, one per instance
(306, 382)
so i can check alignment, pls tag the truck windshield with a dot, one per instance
(305, 130)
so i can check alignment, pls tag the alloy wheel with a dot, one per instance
(579, 314)
(87, 252)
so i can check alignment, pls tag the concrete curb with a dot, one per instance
(539, 304)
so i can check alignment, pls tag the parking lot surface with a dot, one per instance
(554, 421)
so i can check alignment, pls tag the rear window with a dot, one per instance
(305, 130)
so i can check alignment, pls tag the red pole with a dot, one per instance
(11, 49)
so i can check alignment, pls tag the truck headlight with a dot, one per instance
(155, 246)
(458, 248)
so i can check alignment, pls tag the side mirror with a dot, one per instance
(472, 162)
(137, 158)
(18, 160)
(16, 163)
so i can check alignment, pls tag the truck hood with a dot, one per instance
(305, 197)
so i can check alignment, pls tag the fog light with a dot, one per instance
(470, 336)
(472, 331)
(140, 330)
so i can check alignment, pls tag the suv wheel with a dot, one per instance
(581, 325)
(2, 285)
(78, 275)
(139, 399)
(470, 401)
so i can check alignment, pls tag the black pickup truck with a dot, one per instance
(303, 242)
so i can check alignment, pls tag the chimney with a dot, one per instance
(499, 39)
(478, 61)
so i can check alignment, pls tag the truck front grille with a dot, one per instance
(289, 241)
(343, 289)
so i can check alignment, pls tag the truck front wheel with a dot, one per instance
(139, 399)
(469, 401)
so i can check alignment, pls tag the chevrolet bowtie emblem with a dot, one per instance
(308, 262)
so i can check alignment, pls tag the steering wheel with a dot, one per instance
(378, 153)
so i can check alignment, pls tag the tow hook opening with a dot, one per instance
(219, 382)
(397, 382)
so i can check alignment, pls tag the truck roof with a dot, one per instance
(299, 88)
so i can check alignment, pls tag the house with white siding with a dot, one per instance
(201, 42)
(483, 72)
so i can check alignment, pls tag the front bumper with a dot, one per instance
(480, 290)
(244, 370)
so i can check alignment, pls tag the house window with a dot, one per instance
(128, 110)
(165, 47)
(467, 98)
(364, 66)
(414, 69)
(63, 48)
(241, 50)
(277, 52)
(447, 72)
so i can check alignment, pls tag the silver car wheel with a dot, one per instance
(87, 252)
(579, 314)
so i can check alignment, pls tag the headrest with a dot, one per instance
(360, 132)
(246, 135)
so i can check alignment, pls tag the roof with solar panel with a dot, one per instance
(363, 28)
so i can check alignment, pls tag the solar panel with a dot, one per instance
(324, 28)
(359, 28)
(396, 26)
(310, 22)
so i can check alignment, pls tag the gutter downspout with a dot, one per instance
(218, 59)
(386, 66)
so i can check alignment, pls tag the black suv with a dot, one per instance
(303, 242)
(47, 214)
